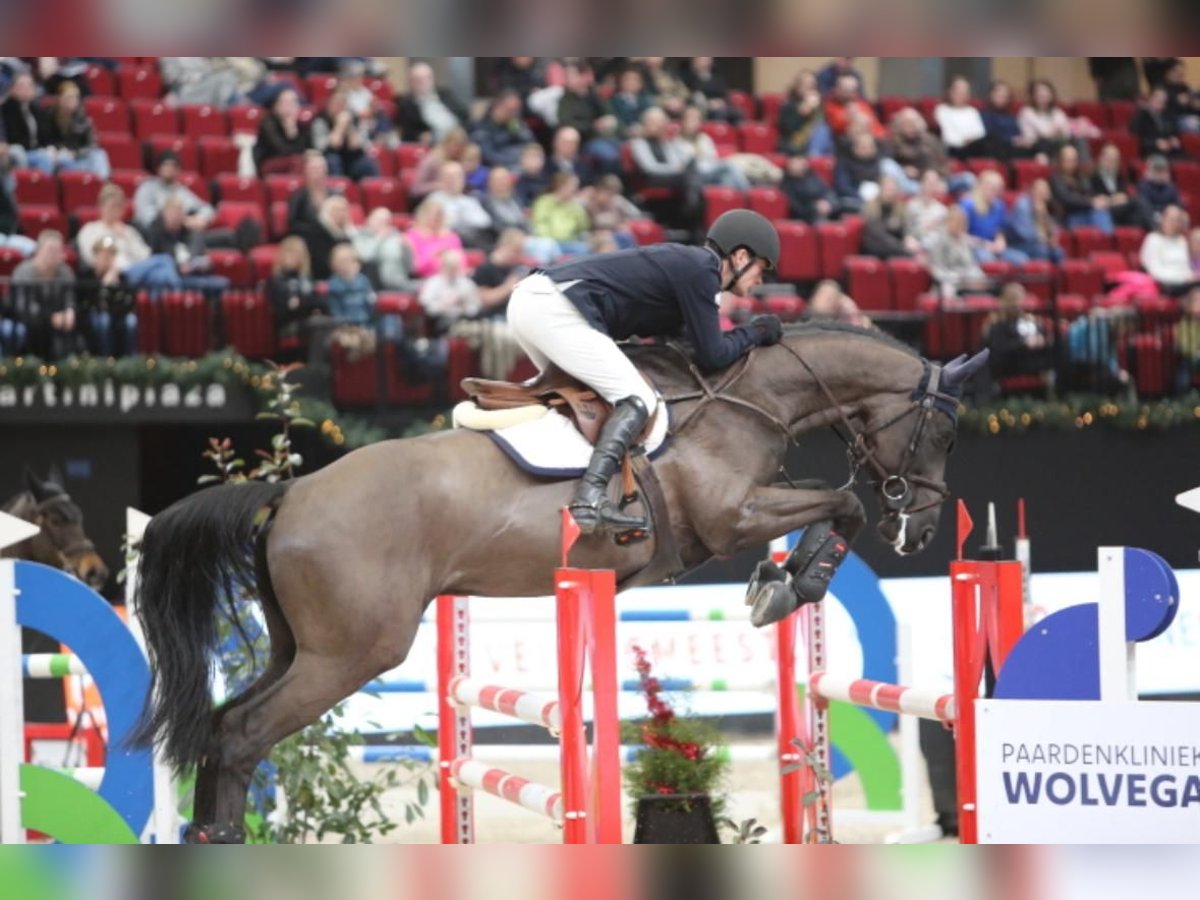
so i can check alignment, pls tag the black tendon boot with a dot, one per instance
(812, 565)
(591, 508)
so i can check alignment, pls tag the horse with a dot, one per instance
(62, 541)
(345, 560)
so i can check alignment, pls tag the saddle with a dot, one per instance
(553, 388)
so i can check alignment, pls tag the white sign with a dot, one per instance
(1088, 773)
(14, 531)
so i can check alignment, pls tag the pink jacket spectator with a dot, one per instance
(428, 247)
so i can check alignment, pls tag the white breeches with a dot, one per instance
(551, 330)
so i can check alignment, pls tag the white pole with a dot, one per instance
(1118, 673)
(12, 705)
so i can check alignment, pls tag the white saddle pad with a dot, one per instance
(546, 444)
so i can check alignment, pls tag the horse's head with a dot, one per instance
(903, 448)
(62, 542)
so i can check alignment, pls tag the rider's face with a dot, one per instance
(751, 278)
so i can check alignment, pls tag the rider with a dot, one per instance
(572, 313)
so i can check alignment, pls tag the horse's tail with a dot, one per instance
(194, 554)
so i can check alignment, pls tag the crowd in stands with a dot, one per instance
(336, 204)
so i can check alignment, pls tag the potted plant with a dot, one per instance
(675, 778)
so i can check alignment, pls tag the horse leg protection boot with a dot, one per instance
(592, 509)
(814, 562)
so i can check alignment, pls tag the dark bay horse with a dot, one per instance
(356, 551)
(62, 542)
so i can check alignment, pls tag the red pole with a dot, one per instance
(968, 670)
(606, 726)
(572, 592)
(454, 723)
(791, 787)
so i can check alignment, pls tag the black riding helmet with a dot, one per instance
(744, 228)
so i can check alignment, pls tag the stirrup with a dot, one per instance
(604, 516)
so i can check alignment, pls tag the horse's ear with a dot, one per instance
(959, 371)
(55, 476)
(34, 485)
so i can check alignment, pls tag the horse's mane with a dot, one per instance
(813, 328)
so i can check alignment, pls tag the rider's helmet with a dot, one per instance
(745, 228)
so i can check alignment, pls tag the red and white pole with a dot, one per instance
(454, 721)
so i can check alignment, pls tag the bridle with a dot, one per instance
(897, 489)
(74, 551)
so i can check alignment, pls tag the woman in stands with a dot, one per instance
(573, 313)
(69, 131)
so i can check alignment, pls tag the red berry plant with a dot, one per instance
(679, 757)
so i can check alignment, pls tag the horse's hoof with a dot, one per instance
(214, 834)
(771, 602)
(766, 572)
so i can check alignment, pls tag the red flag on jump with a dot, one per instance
(965, 526)
(570, 534)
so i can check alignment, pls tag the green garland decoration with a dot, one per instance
(1081, 412)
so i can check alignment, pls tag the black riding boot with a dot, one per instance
(591, 508)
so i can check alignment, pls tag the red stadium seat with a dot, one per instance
(823, 166)
(79, 189)
(868, 283)
(771, 104)
(278, 213)
(837, 241)
(262, 261)
(1191, 145)
(101, 81)
(646, 231)
(9, 260)
(34, 219)
(1109, 261)
(129, 179)
(1081, 277)
(385, 192)
(768, 201)
(1126, 143)
(232, 265)
(230, 213)
(241, 189)
(1090, 240)
(1028, 171)
(758, 137)
(184, 148)
(718, 200)
(36, 187)
(123, 151)
(204, 119)
(140, 82)
(151, 117)
(107, 114)
(910, 280)
(1039, 277)
(799, 257)
(1129, 239)
(245, 119)
(408, 156)
(1094, 110)
(345, 186)
(998, 270)
(281, 187)
(979, 166)
(1187, 176)
(197, 184)
(218, 155)
(1120, 113)
(721, 132)
(744, 103)
(318, 87)
(249, 325)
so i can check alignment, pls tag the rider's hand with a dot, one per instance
(768, 328)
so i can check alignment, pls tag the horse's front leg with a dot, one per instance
(831, 520)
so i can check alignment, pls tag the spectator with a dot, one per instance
(501, 134)
(987, 220)
(108, 303)
(1156, 188)
(856, 176)
(667, 162)
(306, 201)
(349, 294)
(1187, 341)
(952, 261)
(925, 214)
(915, 150)
(507, 213)
(1116, 77)
(1032, 229)
(333, 227)
(132, 258)
(667, 89)
(1109, 180)
(1015, 338)
(630, 102)
(801, 122)
(475, 173)
(170, 235)
(465, 215)
(292, 295)
(282, 138)
(448, 294)
(559, 214)
(840, 67)
(519, 75)
(592, 118)
(499, 273)
(429, 236)
(810, 198)
(1156, 68)
(1155, 128)
(1045, 127)
(453, 148)
(1004, 138)
(10, 221)
(1166, 255)
(708, 165)
(846, 111)
(610, 211)
(829, 303)
(24, 124)
(1092, 342)
(384, 252)
(428, 113)
(43, 287)
(710, 91)
(532, 177)
(960, 123)
(884, 235)
(1183, 104)
(152, 194)
(564, 155)
(361, 100)
(1073, 194)
(69, 135)
(344, 138)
